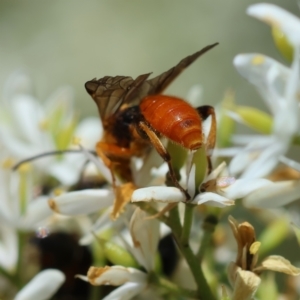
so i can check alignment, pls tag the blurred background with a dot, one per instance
(69, 42)
(61, 42)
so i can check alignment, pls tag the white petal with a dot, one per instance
(82, 202)
(267, 160)
(89, 131)
(266, 74)
(145, 237)
(102, 168)
(191, 181)
(235, 116)
(17, 147)
(8, 248)
(227, 152)
(126, 291)
(68, 170)
(278, 17)
(7, 209)
(37, 210)
(258, 158)
(216, 172)
(274, 195)
(102, 223)
(291, 163)
(151, 161)
(42, 286)
(212, 199)
(28, 114)
(244, 139)
(115, 275)
(159, 194)
(63, 96)
(242, 187)
(194, 96)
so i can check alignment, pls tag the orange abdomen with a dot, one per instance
(174, 118)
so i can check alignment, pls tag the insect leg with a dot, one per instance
(108, 163)
(162, 151)
(204, 112)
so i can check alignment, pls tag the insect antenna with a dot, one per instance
(45, 154)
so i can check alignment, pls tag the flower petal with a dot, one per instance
(36, 211)
(101, 224)
(275, 16)
(8, 248)
(145, 237)
(212, 199)
(68, 170)
(274, 195)
(159, 194)
(89, 131)
(42, 286)
(126, 291)
(216, 172)
(194, 96)
(123, 195)
(266, 74)
(81, 202)
(115, 275)
(278, 264)
(291, 163)
(258, 158)
(28, 114)
(246, 285)
(243, 187)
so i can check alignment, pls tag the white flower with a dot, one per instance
(145, 237)
(274, 195)
(275, 16)
(279, 88)
(8, 248)
(19, 208)
(43, 286)
(216, 190)
(81, 202)
(88, 201)
(28, 128)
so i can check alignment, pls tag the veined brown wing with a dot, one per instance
(159, 83)
(110, 93)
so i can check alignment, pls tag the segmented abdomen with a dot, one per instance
(174, 118)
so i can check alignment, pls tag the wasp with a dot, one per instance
(135, 115)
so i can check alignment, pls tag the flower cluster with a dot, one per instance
(56, 176)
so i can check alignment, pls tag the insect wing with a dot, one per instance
(110, 93)
(107, 92)
(159, 83)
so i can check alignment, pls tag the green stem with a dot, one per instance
(174, 221)
(296, 140)
(203, 289)
(208, 226)
(95, 293)
(7, 275)
(187, 224)
(174, 288)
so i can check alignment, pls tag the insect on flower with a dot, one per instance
(135, 115)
